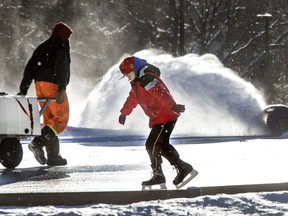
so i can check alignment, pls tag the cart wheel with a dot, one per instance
(11, 152)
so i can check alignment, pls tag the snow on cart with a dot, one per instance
(19, 118)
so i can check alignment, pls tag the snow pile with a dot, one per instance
(218, 102)
(273, 203)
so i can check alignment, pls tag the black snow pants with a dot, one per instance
(158, 145)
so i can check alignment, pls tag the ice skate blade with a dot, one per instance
(152, 187)
(188, 178)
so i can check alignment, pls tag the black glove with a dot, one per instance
(60, 96)
(122, 119)
(179, 108)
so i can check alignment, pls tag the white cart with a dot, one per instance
(19, 118)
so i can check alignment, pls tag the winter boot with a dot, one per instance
(157, 178)
(36, 146)
(54, 158)
(183, 169)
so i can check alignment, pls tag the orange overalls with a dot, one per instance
(56, 115)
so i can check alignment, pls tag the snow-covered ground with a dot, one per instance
(266, 204)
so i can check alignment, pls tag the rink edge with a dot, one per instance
(127, 197)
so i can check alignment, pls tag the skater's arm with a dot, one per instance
(130, 103)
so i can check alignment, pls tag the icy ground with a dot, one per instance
(94, 166)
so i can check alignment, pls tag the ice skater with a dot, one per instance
(150, 92)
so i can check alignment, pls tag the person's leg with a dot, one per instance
(57, 115)
(153, 147)
(171, 154)
(36, 146)
(167, 150)
(55, 119)
(53, 156)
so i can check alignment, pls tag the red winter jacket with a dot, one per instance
(154, 98)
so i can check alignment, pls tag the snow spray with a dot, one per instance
(218, 102)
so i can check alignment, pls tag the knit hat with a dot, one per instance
(62, 30)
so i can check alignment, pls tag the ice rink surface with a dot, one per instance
(122, 166)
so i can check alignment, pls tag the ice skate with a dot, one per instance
(157, 182)
(38, 153)
(154, 187)
(185, 173)
(189, 177)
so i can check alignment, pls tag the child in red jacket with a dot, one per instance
(149, 91)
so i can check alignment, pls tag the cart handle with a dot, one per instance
(46, 102)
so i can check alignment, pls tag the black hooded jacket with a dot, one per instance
(50, 62)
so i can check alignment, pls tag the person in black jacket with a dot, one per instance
(49, 67)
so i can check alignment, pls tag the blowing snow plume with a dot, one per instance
(218, 102)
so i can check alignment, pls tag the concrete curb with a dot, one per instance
(127, 197)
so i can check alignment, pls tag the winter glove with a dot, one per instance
(122, 119)
(179, 108)
(61, 96)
